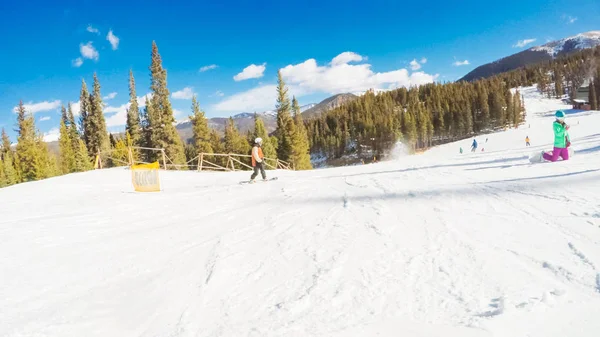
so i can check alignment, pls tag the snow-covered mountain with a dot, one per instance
(307, 106)
(536, 54)
(438, 244)
(580, 41)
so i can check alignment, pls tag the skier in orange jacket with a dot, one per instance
(257, 160)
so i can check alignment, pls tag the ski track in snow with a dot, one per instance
(479, 244)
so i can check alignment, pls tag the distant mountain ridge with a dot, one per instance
(536, 54)
(328, 104)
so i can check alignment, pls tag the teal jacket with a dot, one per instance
(560, 135)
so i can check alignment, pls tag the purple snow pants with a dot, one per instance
(557, 152)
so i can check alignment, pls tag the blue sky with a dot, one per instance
(324, 47)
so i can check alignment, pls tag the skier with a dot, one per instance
(527, 141)
(561, 139)
(474, 146)
(461, 150)
(257, 160)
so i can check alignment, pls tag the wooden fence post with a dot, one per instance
(200, 161)
(164, 159)
(130, 155)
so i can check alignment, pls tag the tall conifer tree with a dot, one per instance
(200, 129)
(300, 145)
(133, 114)
(97, 135)
(65, 144)
(164, 133)
(285, 124)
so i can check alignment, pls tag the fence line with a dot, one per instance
(201, 161)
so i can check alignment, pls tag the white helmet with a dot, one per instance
(258, 140)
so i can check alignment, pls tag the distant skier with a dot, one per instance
(257, 160)
(527, 141)
(474, 146)
(461, 150)
(561, 139)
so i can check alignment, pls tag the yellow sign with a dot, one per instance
(145, 177)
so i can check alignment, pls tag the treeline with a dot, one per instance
(82, 140)
(438, 113)
(419, 117)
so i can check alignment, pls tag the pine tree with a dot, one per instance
(84, 108)
(5, 146)
(96, 133)
(82, 159)
(11, 176)
(67, 156)
(3, 180)
(120, 153)
(133, 114)
(30, 162)
(233, 141)
(148, 118)
(217, 146)
(260, 131)
(592, 96)
(164, 133)
(200, 129)
(558, 81)
(48, 161)
(409, 129)
(285, 124)
(300, 147)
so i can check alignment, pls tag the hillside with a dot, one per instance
(536, 54)
(438, 244)
(328, 104)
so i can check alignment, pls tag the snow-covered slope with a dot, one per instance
(438, 244)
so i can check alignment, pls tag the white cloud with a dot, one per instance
(334, 78)
(523, 43)
(77, 62)
(256, 99)
(218, 93)
(308, 77)
(52, 135)
(185, 93)
(113, 39)
(76, 108)
(423, 60)
(45, 118)
(178, 113)
(251, 71)
(414, 65)
(88, 51)
(120, 112)
(571, 19)
(110, 96)
(93, 30)
(346, 57)
(39, 107)
(208, 67)
(461, 63)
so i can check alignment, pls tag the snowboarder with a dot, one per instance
(527, 141)
(474, 146)
(561, 139)
(257, 160)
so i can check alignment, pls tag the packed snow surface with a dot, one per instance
(437, 244)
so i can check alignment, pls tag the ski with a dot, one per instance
(257, 180)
